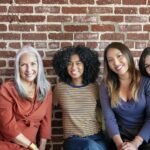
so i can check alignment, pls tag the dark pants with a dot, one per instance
(128, 135)
(93, 142)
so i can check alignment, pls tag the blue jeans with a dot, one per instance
(92, 142)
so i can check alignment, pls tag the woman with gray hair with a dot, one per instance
(25, 104)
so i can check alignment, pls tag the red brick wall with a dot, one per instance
(50, 24)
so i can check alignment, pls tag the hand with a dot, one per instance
(128, 146)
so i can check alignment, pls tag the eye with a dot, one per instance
(119, 55)
(109, 60)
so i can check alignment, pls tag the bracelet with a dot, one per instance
(32, 146)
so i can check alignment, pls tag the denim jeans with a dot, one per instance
(92, 142)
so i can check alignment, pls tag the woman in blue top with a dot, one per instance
(125, 100)
(144, 62)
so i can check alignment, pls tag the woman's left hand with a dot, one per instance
(128, 146)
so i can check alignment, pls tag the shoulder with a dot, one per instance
(8, 85)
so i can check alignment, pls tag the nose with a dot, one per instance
(116, 61)
(28, 68)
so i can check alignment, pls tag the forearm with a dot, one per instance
(25, 142)
(118, 141)
(137, 141)
(42, 144)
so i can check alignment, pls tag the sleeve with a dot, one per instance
(109, 116)
(8, 125)
(45, 127)
(145, 131)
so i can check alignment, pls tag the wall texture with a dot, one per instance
(51, 24)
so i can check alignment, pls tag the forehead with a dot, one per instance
(112, 52)
(147, 59)
(28, 56)
(74, 57)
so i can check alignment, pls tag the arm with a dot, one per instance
(45, 127)
(109, 116)
(144, 133)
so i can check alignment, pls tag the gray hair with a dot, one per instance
(42, 84)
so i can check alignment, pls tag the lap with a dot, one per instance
(4, 145)
(96, 142)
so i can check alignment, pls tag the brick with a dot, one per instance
(9, 18)
(134, 19)
(31, 18)
(86, 36)
(20, 9)
(40, 45)
(57, 147)
(92, 44)
(136, 53)
(9, 36)
(146, 27)
(140, 45)
(125, 28)
(2, 63)
(75, 28)
(48, 27)
(34, 36)
(140, 36)
(49, 53)
(59, 19)
(130, 44)
(104, 27)
(85, 19)
(57, 131)
(126, 10)
(47, 9)
(53, 45)
(112, 18)
(27, 1)
(15, 45)
(20, 27)
(134, 2)
(55, 1)
(79, 43)
(57, 138)
(6, 1)
(144, 10)
(52, 80)
(74, 10)
(6, 72)
(3, 9)
(7, 54)
(11, 63)
(112, 36)
(3, 45)
(102, 45)
(50, 71)
(80, 2)
(64, 44)
(3, 27)
(61, 36)
(100, 10)
(47, 63)
(105, 2)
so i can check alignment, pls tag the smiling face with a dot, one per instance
(28, 67)
(147, 64)
(75, 69)
(117, 62)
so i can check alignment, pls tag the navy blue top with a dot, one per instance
(130, 114)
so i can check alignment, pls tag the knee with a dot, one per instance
(92, 145)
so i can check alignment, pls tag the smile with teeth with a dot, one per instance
(119, 67)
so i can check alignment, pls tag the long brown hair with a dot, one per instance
(111, 78)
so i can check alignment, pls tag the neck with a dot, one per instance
(77, 82)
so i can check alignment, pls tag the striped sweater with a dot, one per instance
(78, 105)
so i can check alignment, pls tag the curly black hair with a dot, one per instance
(142, 69)
(87, 56)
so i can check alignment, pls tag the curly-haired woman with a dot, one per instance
(77, 94)
(144, 62)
